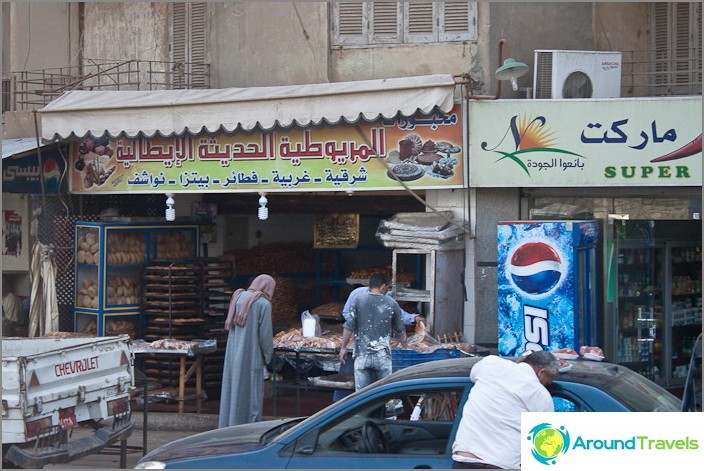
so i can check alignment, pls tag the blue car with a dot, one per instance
(376, 427)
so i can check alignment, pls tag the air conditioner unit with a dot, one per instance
(576, 74)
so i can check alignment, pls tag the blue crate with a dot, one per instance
(404, 358)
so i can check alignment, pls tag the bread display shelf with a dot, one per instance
(177, 321)
(173, 313)
(186, 298)
(173, 295)
(167, 287)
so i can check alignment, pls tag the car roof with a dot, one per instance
(595, 373)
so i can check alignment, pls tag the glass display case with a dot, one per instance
(109, 261)
(659, 300)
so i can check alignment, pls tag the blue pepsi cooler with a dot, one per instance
(547, 285)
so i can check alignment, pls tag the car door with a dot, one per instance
(415, 421)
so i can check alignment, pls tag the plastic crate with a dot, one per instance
(404, 358)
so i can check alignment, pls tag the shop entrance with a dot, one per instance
(655, 283)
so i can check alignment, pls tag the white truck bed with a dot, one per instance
(50, 385)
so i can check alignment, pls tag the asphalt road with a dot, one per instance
(161, 428)
(156, 438)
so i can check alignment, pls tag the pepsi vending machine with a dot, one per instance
(547, 285)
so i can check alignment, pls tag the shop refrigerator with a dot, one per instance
(655, 279)
(547, 286)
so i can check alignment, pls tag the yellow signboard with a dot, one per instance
(422, 151)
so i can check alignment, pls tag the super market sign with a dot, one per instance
(611, 142)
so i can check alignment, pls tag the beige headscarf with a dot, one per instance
(263, 285)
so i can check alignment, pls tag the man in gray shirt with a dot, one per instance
(373, 317)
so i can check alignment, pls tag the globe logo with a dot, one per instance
(535, 268)
(548, 443)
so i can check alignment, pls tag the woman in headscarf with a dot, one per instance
(249, 348)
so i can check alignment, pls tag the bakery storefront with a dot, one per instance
(293, 181)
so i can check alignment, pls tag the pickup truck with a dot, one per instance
(50, 386)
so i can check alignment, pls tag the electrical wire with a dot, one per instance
(323, 73)
(408, 189)
(463, 227)
(29, 36)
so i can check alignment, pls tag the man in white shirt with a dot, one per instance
(489, 433)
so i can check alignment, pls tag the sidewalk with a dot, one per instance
(165, 424)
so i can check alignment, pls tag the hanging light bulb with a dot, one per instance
(170, 211)
(263, 212)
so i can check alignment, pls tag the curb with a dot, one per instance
(175, 422)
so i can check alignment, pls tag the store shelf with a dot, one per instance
(438, 289)
(187, 299)
(109, 258)
(666, 276)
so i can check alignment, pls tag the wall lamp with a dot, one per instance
(509, 69)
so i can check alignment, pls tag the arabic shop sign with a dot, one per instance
(423, 151)
(22, 174)
(549, 143)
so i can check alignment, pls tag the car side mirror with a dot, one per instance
(307, 444)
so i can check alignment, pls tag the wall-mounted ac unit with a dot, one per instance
(576, 74)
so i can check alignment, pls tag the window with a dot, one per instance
(385, 23)
(189, 45)
(676, 48)
(409, 423)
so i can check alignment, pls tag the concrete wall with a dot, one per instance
(121, 31)
(626, 27)
(262, 44)
(416, 59)
(621, 26)
(6, 39)
(493, 206)
(529, 26)
(41, 35)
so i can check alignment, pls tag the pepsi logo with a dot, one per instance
(52, 175)
(535, 268)
(51, 170)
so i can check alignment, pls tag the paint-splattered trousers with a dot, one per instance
(371, 367)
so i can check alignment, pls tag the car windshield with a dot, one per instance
(634, 391)
(285, 431)
(642, 395)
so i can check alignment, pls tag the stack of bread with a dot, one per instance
(126, 249)
(88, 248)
(174, 245)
